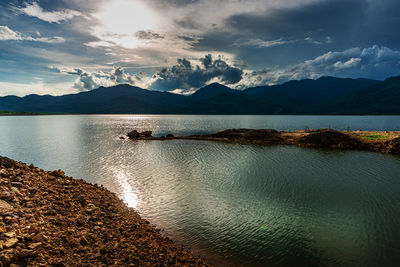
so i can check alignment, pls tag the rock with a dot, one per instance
(5, 208)
(90, 208)
(9, 234)
(34, 245)
(57, 173)
(122, 138)
(39, 237)
(83, 241)
(11, 242)
(14, 189)
(34, 229)
(17, 184)
(6, 162)
(133, 134)
(146, 133)
(47, 219)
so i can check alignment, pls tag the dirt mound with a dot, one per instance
(392, 146)
(329, 138)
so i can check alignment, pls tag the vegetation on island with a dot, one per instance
(374, 136)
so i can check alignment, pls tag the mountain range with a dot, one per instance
(326, 95)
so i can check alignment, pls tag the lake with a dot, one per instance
(235, 204)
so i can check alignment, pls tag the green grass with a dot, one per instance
(374, 136)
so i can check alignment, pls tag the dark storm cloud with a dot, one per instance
(186, 76)
(329, 25)
(337, 17)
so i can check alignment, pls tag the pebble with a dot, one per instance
(5, 207)
(11, 242)
(35, 245)
(47, 218)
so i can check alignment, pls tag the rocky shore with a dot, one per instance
(377, 141)
(49, 219)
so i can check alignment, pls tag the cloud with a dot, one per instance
(37, 87)
(99, 44)
(351, 63)
(259, 43)
(376, 62)
(148, 35)
(6, 34)
(34, 10)
(184, 75)
(87, 81)
(181, 78)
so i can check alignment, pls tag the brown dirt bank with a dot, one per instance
(378, 141)
(47, 218)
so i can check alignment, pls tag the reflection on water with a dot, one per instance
(126, 190)
(247, 205)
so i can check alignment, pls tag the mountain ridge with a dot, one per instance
(325, 95)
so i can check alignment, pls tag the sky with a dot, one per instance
(67, 46)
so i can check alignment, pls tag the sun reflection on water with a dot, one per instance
(128, 193)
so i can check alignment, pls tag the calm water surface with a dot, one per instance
(236, 204)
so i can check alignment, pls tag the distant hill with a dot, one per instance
(326, 95)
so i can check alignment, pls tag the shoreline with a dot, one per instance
(387, 142)
(48, 218)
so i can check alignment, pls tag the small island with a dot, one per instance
(49, 219)
(377, 141)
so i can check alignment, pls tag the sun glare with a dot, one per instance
(121, 19)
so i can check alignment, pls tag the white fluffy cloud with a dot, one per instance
(91, 80)
(6, 34)
(37, 87)
(34, 10)
(182, 78)
(377, 62)
(186, 76)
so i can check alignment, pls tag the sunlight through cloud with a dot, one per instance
(121, 20)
